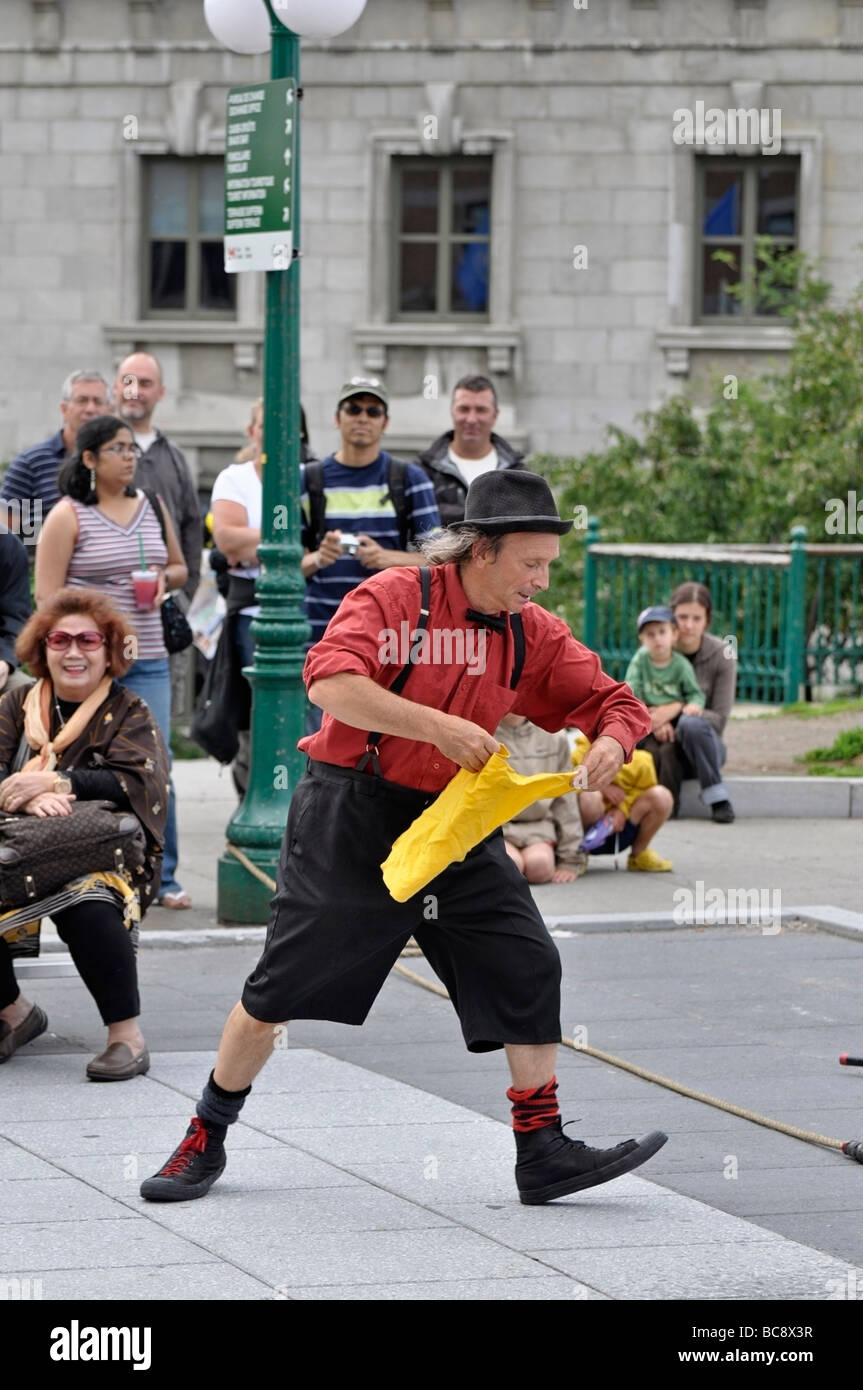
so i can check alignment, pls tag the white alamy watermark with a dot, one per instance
(22, 517)
(735, 125)
(442, 647)
(17, 1289)
(77, 1343)
(711, 907)
(845, 517)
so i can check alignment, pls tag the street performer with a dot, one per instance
(378, 760)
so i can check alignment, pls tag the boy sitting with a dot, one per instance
(658, 674)
(627, 812)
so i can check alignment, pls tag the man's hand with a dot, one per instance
(330, 549)
(664, 733)
(603, 762)
(692, 709)
(466, 743)
(371, 555)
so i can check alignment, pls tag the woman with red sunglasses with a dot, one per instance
(76, 733)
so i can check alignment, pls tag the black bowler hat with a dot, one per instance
(511, 499)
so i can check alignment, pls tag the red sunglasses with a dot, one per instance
(60, 641)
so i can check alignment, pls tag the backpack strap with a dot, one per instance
(314, 531)
(371, 754)
(397, 475)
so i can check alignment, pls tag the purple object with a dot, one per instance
(597, 834)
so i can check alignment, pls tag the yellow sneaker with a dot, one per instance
(649, 862)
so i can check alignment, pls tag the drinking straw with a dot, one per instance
(141, 550)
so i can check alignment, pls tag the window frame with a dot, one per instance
(750, 167)
(194, 311)
(444, 238)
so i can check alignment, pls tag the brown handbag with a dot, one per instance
(41, 854)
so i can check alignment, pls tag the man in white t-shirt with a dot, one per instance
(469, 449)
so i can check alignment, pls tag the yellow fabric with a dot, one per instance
(131, 906)
(469, 808)
(634, 777)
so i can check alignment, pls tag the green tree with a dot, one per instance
(746, 466)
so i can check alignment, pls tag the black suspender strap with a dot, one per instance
(518, 637)
(371, 754)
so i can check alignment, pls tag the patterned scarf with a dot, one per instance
(37, 722)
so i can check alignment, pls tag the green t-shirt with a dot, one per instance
(658, 685)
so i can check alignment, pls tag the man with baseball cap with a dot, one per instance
(362, 508)
(392, 738)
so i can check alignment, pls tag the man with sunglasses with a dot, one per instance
(360, 533)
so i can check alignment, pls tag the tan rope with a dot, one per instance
(252, 868)
(752, 1115)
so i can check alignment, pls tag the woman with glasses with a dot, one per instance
(78, 734)
(99, 535)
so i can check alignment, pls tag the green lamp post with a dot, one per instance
(280, 631)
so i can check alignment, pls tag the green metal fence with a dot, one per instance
(795, 612)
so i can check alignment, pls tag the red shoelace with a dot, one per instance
(192, 1144)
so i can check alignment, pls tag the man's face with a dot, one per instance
(518, 572)
(658, 638)
(88, 399)
(473, 418)
(361, 421)
(138, 388)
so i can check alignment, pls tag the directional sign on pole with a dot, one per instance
(260, 158)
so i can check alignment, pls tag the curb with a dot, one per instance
(821, 798)
(837, 920)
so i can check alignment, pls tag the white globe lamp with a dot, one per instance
(241, 25)
(318, 19)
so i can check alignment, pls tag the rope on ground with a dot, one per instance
(690, 1092)
(412, 949)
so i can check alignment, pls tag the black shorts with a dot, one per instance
(335, 933)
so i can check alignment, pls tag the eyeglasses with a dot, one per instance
(374, 412)
(60, 641)
(122, 450)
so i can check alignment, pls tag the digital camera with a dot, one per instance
(350, 544)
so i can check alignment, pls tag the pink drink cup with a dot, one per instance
(145, 582)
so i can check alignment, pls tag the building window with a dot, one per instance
(183, 273)
(442, 222)
(742, 201)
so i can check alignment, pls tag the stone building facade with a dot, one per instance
(503, 186)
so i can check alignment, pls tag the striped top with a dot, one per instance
(358, 503)
(32, 476)
(104, 557)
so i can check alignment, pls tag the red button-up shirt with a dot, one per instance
(562, 682)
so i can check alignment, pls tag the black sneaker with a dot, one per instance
(550, 1165)
(722, 812)
(192, 1168)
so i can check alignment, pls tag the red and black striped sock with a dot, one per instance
(534, 1109)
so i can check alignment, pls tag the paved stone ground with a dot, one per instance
(771, 744)
(375, 1163)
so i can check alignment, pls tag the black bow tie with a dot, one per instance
(487, 620)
